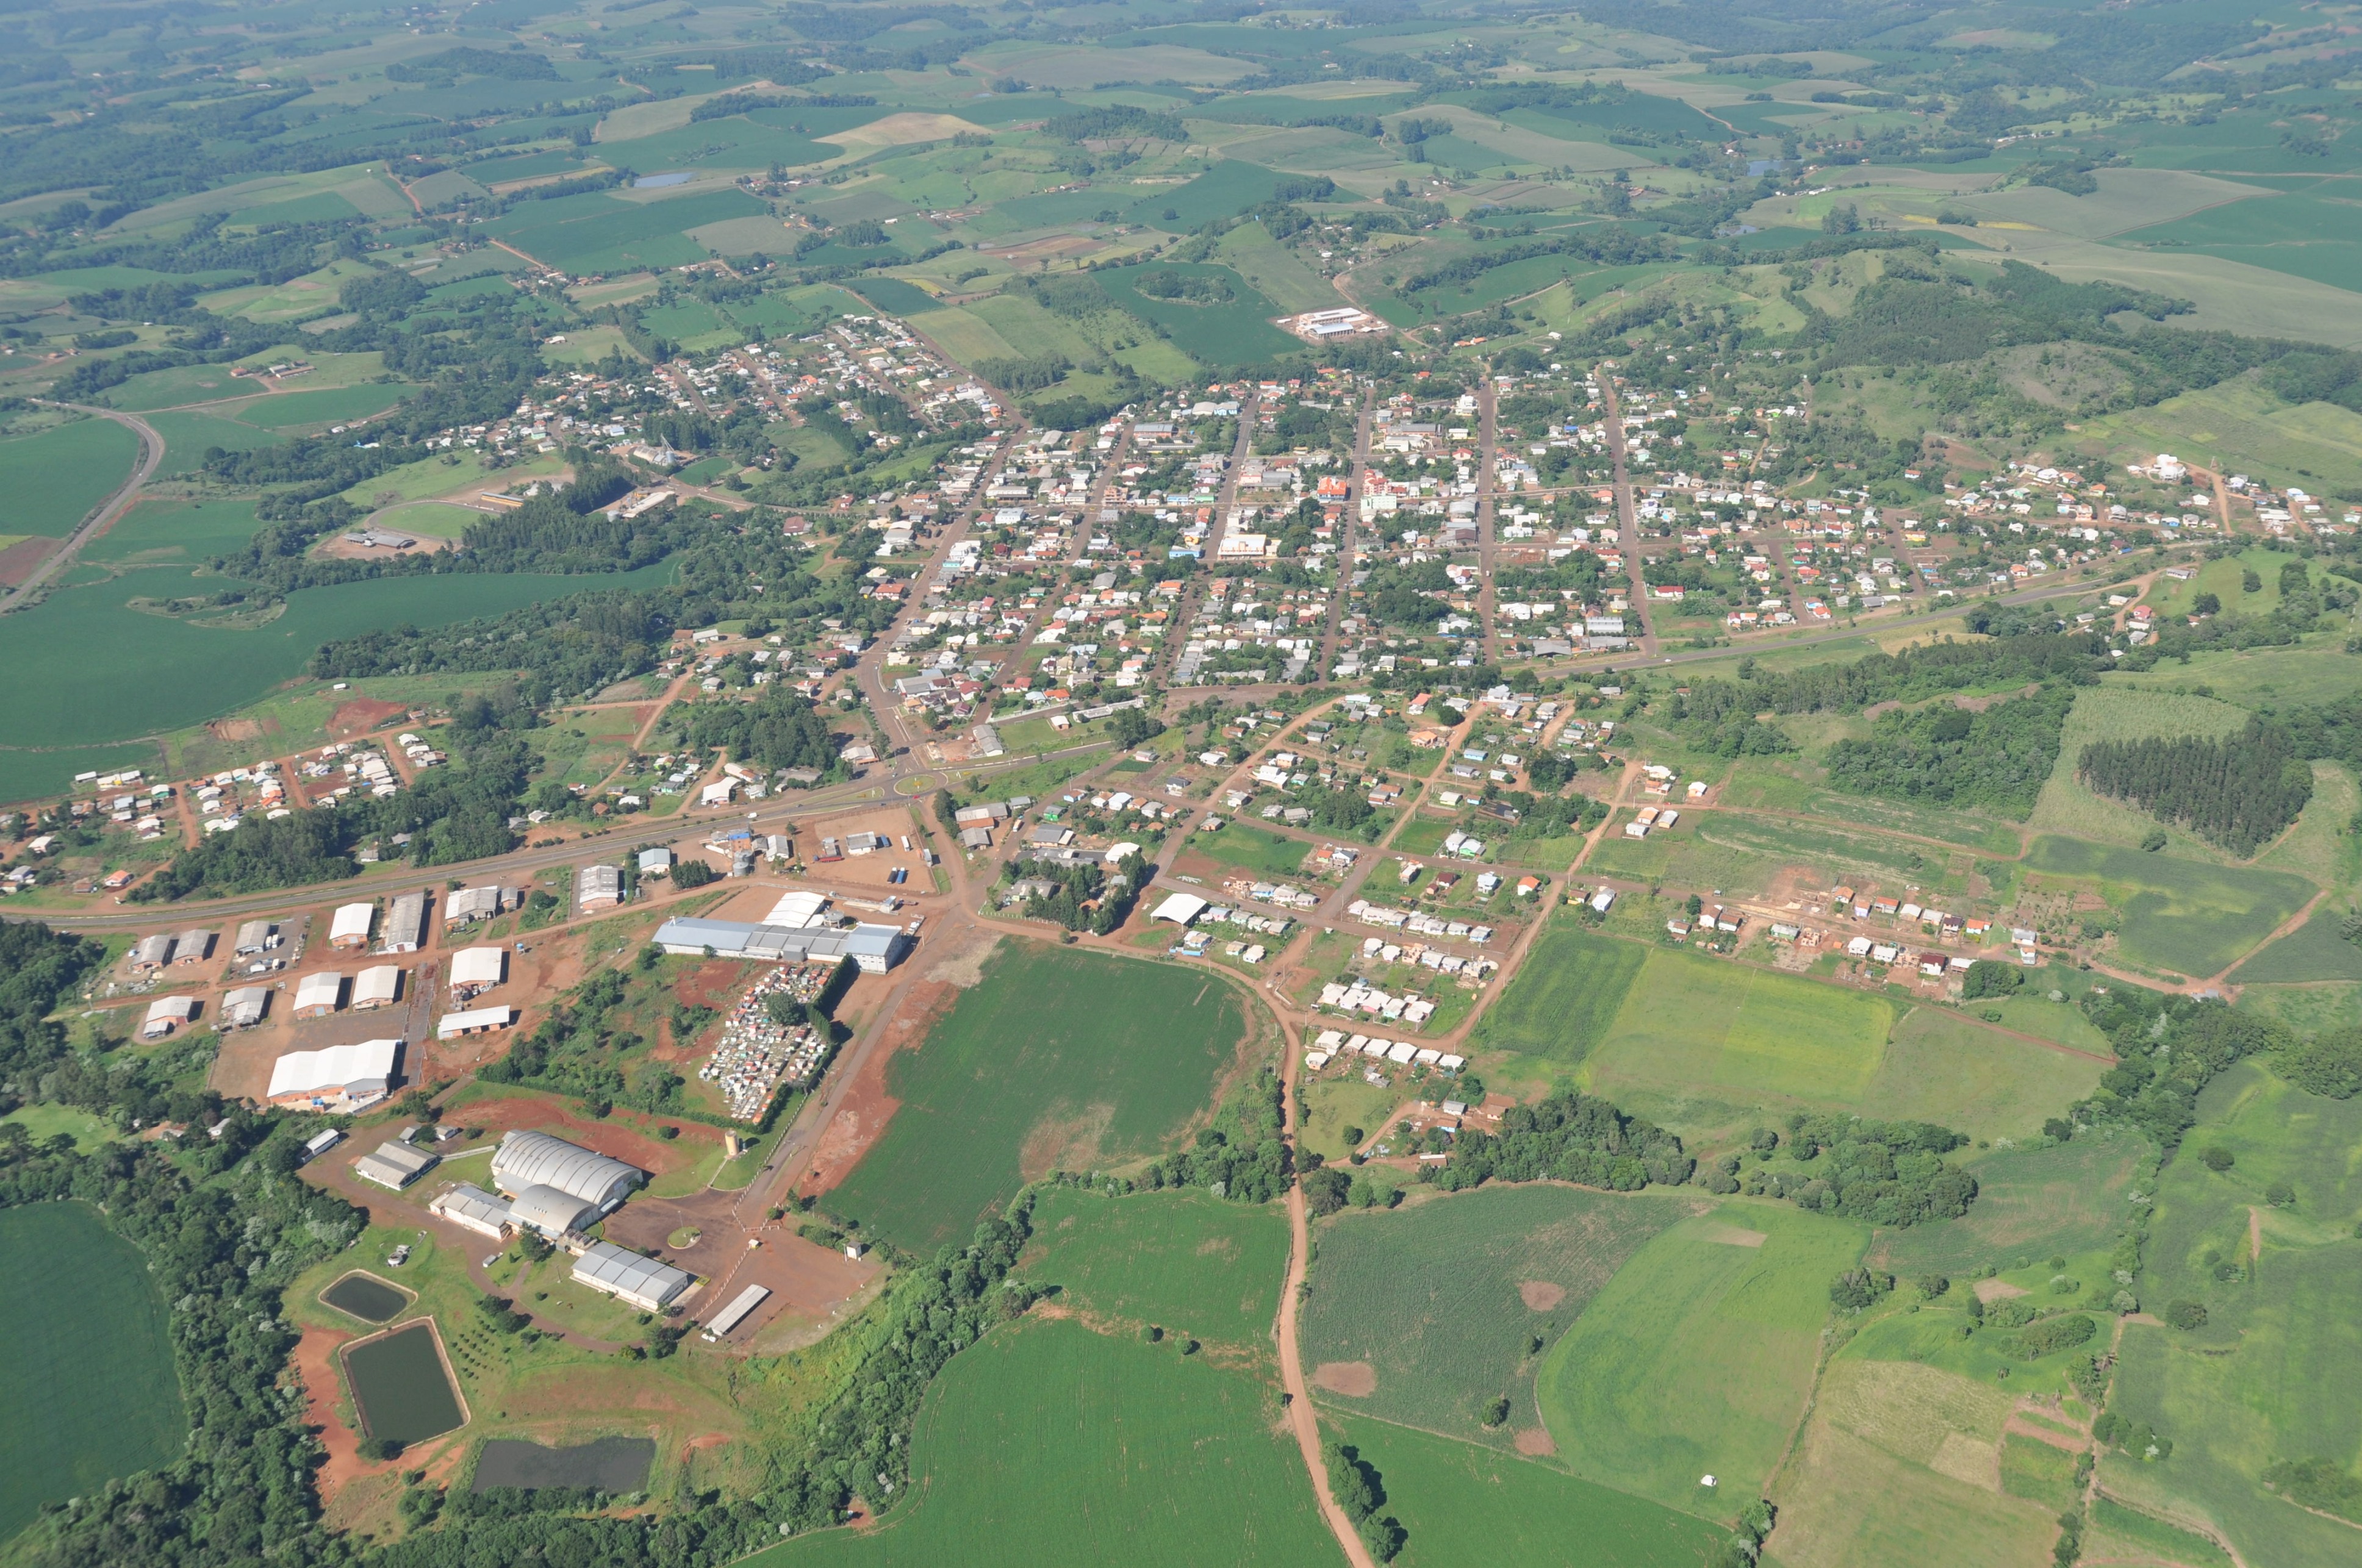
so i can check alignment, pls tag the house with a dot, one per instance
(394, 1164)
(317, 996)
(349, 927)
(598, 888)
(244, 1008)
(477, 969)
(165, 1014)
(340, 1077)
(376, 988)
(465, 906)
(405, 924)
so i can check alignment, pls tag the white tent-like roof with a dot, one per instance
(527, 1159)
(550, 1211)
(348, 1070)
(477, 967)
(1180, 909)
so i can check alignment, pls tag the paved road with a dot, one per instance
(152, 452)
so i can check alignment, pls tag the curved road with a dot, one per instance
(152, 452)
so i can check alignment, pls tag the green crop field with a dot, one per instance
(2119, 1534)
(1696, 1358)
(1055, 1059)
(2313, 951)
(2030, 1202)
(1703, 1043)
(1565, 994)
(2179, 915)
(329, 405)
(189, 437)
(99, 1377)
(2278, 1368)
(93, 670)
(1441, 1301)
(1464, 1506)
(174, 532)
(54, 477)
(1236, 333)
(1939, 1067)
(1185, 1261)
(1048, 1446)
(1251, 849)
(600, 233)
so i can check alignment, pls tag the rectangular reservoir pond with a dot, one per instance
(366, 1296)
(614, 1465)
(402, 1386)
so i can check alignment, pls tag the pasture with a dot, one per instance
(52, 478)
(2313, 951)
(2277, 1371)
(1897, 1465)
(1441, 1300)
(400, 1386)
(1705, 1043)
(1563, 997)
(174, 532)
(1102, 1449)
(2066, 1199)
(1053, 1059)
(91, 1379)
(1186, 1261)
(1697, 1357)
(2179, 915)
(1940, 1067)
(1465, 1507)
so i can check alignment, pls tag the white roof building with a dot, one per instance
(474, 1020)
(640, 1282)
(347, 1073)
(377, 987)
(527, 1159)
(244, 1008)
(550, 1211)
(394, 1164)
(319, 995)
(165, 1014)
(598, 888)
(477, 969)
(473, 1209)
(1180, 909)
(349, 927)
(467, 905)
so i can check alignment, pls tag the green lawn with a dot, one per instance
(1186, 1261)
(1048, 1446)
(1251, 849)
(1440, 1301)
(1697, 1357)
(54, 477)
(1055, 1059)
(93, 1388)
(1464, 1506)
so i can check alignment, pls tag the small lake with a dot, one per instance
(615, 1465)
(399, 1381)
(366, 1296)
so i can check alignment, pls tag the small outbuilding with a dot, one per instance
(394, 1164)
(472, 1209)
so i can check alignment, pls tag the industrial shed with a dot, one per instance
(317, 996)
(405, 924)
(193, 947)
(474, 1020)
(472, 1209)
(628, 1277)
(349, 927)
(150, 953)
(167, 1013)
(256, 936)
(340, 1073)
(553, 1213)
(876, 948)
(376, 988)
(244, 1008)
(467, 905)
(475, 969)
(394, 1163)
(527, 1159)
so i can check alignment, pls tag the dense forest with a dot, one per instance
(1993, 759)
(2238, 792)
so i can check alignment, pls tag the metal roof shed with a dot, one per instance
(527, 1159)
(349, 927)
(405, 924)
(394, 1164)
(244, 1008)
(316, 996)
(477, 969)
(377, 988)
(472, 1207)
(640, 1282)
(550, 1211)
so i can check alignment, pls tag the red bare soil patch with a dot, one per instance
(861, 1116)
(315, 1357)
(621, 1136)
(361, 715)
(1540, 1294)
(715, 983)
(1535, 1440)
(1354, 1379)
(18, 561)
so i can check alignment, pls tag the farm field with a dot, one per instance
(1940, 1067)
(1465, 1507)
(1565, 996)
(2179, 915)
(1185, 1261)
(1052, 1059)
(1697, 1356)
(1130, 1453)
(101, 1376)
(1701, 1044)
(2031, 1202)
(2274, 1371)
(1421, 1316)
(2313, 951)
(54, 477)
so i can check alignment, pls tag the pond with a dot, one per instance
(614, 1465)
(366, 1296)
(402, 1386)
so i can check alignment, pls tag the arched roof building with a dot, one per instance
(527, 1159)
